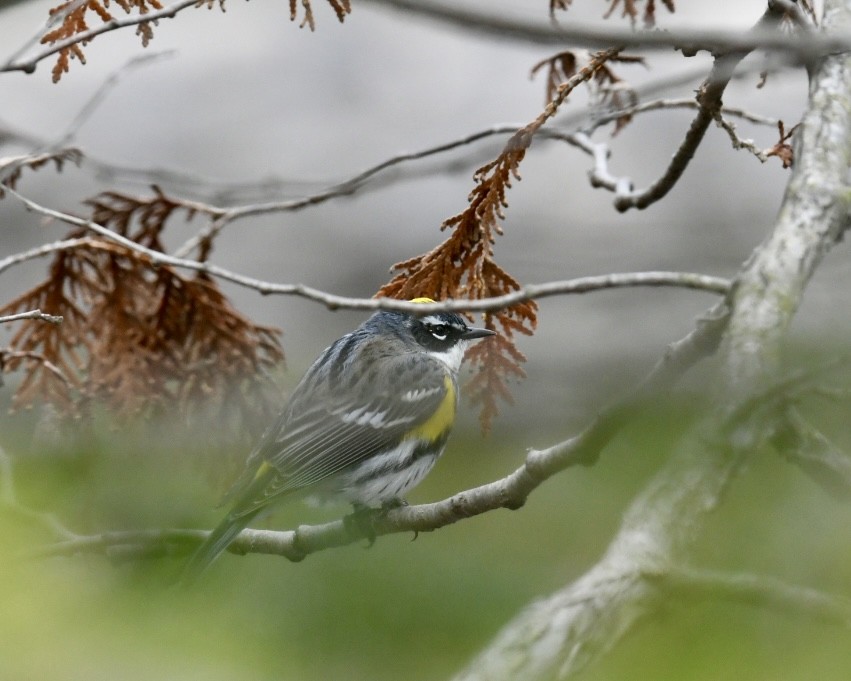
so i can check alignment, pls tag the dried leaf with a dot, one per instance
(783, 149)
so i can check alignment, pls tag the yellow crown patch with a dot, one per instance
(421, 300)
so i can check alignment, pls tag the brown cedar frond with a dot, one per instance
(73, 15)
(13, 166)
(119, 211)
(74, 23)
(463, 266)
(138, 340)
(614, 91)
(56, 344)
(630, 9)
(610, 89)
(560, 67)
(782, 149)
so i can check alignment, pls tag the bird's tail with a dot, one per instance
(218, 540)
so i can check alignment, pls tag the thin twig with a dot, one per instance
(738, 142)
(709, 101)
(672, 104)
(31, 314)
(41, 251)
(101, 93)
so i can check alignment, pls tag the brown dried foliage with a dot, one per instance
(74, 23)
(783, 149)
(135, 339)
(342, 8)
(606, 86)
(75, 13)
(463, 266)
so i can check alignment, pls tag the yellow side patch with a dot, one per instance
(440, 421)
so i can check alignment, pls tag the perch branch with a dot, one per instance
(508, 492)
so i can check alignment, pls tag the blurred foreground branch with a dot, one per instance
(758, 590)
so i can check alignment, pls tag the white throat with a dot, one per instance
(453, 357)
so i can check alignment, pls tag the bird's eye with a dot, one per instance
(439, 331)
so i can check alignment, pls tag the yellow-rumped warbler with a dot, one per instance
(364, 425)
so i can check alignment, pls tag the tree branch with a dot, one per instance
(709, 101)
(599, 37)
(41, 251)
(564, 632)
(582, 285)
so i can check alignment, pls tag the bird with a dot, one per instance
(365, 424)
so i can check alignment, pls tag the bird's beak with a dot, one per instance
(472, 333)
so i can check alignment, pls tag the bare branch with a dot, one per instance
(672, 104)
(31, 314)
(41, 251)
(709, 98)
(598, 37)
(709, 105)
(738, 142)
(572, 286)
(91, 105)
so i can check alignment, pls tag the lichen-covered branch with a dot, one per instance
(562, 633)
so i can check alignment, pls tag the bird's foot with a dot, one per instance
(362, 518)
(397, 502)
(361, 521)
